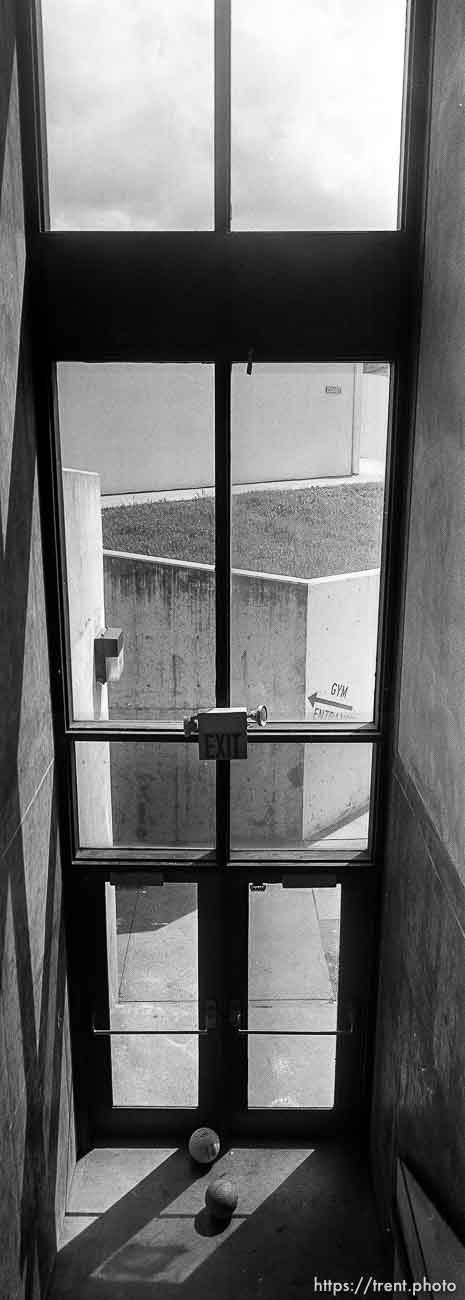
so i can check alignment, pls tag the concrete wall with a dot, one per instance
(147, 428)
(374, 416)
(286, 633)
(342, 622)
(167, 612)
(419, 1098)
(295, 421)
(84, 573)
(36, 1128)
(336, 788)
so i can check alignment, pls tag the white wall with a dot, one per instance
(342, 623)
(375, 404)
(341, 664)
(287, 424)
(147, 428)
(141, 427)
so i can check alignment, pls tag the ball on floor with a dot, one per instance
(221, 1198)
(204, 1146)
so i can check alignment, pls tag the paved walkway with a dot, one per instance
(370, 471)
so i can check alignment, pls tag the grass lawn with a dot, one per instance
(304, 533)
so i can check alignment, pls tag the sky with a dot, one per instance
(316, 113)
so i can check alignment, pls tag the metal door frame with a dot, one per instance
(223, 960)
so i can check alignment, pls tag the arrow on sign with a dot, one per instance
(333, 704)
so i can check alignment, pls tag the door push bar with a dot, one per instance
(222, 733)
(210, 1024)
(235, 1016)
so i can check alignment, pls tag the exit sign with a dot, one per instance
(223, 734)
(223, 746)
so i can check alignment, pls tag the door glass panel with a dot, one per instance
(137, 450)
(129, 107)
(293, 987)
(144, 793)
(316, 114)
(302, 796)
(308, 460)
(153, 985)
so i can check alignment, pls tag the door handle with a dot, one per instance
(210, 1024)
(235, 1019)
(259, 715)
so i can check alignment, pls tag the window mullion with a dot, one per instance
(223, 116)
(223, 587)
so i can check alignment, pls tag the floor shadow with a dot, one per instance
(141, 910)
(129, 1216)
(315, 1223)
(207, 1226)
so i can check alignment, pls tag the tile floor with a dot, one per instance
(137, 1226)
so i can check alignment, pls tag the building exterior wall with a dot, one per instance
(146, 428)
(419, 1108)
(374, 416)
(300, 423)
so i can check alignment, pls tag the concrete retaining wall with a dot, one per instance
(342, 621)
(84, 566)
(167, 612)
(84, 570)
(342, 618)
(306, 649)
(287, 640)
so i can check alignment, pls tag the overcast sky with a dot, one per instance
(316, 106)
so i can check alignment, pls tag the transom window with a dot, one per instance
(312, 90)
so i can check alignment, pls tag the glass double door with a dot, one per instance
(227, 1001)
